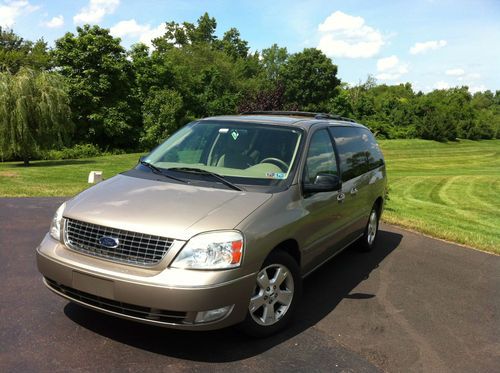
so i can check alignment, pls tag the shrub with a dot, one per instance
(75, 152)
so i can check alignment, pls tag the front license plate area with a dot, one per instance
(93, 285)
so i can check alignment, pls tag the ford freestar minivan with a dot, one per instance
(219, 224)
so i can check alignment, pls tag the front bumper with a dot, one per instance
(165, 296)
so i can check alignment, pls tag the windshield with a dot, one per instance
(244, 150)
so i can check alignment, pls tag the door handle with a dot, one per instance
(340, 197)
(354, 191)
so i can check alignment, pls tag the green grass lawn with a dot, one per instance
(447, 190)
(58, 178)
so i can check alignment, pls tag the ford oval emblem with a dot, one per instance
(109, 242)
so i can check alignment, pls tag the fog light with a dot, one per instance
(212, 315)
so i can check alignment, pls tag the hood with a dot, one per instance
(166, 209)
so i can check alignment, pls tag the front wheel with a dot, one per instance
(275, 297)
(371, 231)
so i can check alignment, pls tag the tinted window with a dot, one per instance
(373, 153)
(352, 151)
(320, 157)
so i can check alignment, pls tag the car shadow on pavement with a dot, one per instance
(323, 291)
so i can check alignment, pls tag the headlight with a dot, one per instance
(55, 226)
(216, 250)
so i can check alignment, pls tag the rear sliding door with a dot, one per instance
(351, 148)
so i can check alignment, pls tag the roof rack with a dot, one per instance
(300, 114)
(334, 116)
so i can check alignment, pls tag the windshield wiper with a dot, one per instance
(205, 172)
(158, 171)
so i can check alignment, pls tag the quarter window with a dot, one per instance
(373, 153)
(320, 157)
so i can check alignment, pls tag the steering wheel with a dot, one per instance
(276, 162)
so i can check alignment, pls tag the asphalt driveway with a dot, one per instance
(414, 304)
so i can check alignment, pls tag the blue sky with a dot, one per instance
(430, 43)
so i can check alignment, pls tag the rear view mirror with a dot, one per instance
(323, 183)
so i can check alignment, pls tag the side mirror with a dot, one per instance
(142, 157)
(323, 183)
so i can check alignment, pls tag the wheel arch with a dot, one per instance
(379, 204)
(291, 247)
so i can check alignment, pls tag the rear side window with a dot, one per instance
(352, 147)
(320, 157)
(373, 153)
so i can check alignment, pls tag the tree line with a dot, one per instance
(88, 89)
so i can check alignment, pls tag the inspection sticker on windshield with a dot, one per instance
(234, 134)
(276, 175)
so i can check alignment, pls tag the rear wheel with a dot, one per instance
(275, 297)
(371, 231)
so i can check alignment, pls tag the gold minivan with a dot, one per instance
(220, 223)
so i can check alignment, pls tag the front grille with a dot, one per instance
(133, 248)
(146, 313)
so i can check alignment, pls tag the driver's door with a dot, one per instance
(324, 226)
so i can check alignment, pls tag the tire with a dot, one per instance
(367, 241)
(275, 298)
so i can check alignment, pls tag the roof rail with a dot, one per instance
(334, 116)
(300, 114)
(295, 113)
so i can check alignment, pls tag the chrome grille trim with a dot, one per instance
(134, 248)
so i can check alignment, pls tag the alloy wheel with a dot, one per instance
(273, 295)
(372, 227)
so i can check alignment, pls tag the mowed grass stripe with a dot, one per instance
(447, 190)
(450, 191)
(414, 200)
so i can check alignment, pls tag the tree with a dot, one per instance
(181, 35)
(273, 58)
(340, 104)
(233, 45)
(486, 124)
(15, 52)
(310, 79)
(264, 100)
(209, 81)
(162, 112)
(34, 113)
(150, 71)
(100, 82)
(205, 31)
(440, 114)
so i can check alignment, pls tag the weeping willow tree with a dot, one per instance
(34, 113)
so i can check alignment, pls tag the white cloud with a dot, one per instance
(12, 9)
(473, 76)
(462, 76)
(128, 28)
(143, 33)
(387, 63)
(339, 21)
(455, 72)
(441, 85)
(95, 11)
(477, 88)
(390, 68)
(151, 34)
(426, 46)
(472, 87)
(343, 35)
(55, 22)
